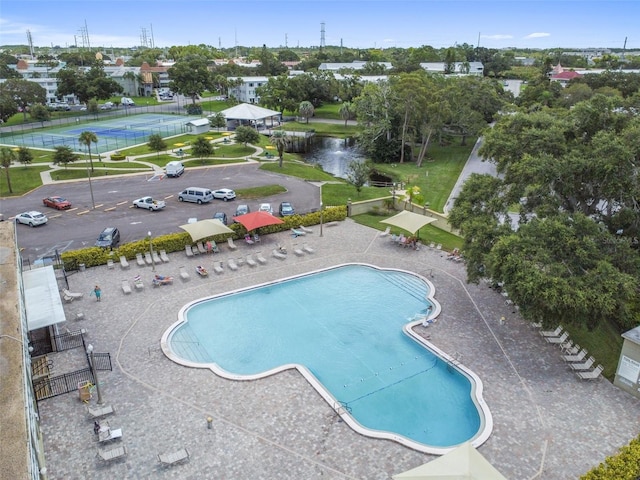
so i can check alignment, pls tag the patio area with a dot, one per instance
(547, 423)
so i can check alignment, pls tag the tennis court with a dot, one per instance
(113, 134)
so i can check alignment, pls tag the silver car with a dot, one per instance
(32, 218)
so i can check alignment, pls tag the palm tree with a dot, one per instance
(87, 138)
(7, 157)
(306, 109)
(279, 140)
(346, 110)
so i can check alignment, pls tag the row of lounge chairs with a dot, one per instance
(142, 260)
(577, 358)
(202, 248)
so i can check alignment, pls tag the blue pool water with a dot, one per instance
(345, 325)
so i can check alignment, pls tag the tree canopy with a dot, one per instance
(559, 226)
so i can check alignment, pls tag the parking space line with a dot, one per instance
(110, 209)
(122, 203)
(82, 213)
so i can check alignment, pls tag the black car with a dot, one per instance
(109, 238)
(286, 209)
(221, 216)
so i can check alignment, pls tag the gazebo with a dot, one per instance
(246, 113)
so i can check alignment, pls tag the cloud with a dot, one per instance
(537, 35)
(497, 37)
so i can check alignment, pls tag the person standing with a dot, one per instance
(97, 292)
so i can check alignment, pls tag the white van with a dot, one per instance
(174, 169)
(196, 195)
(127, 102)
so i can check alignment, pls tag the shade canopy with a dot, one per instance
(462, 463)
(254, 220)
(205, 228)
(409, 221)
(247, 111)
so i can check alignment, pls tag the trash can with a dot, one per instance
(82, 267)
(84, 389)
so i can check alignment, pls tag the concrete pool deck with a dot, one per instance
(547, 423)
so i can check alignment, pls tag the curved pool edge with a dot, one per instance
(476, 384)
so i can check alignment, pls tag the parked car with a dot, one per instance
(225, 194)
(196, 194)
(242, 210)
(58, 203)
(32, 218)
(221, 216)
(149, 203)
(174, 168)
(109, 238)
(286, 209)
(106, 106)
(265, 207)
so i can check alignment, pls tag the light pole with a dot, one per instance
(95, 372)
(321, 210)
(153, 262)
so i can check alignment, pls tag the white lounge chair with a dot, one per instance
(112, 453)
(184, 274)
(580, 356)
(99, 412)
(137, 282)
(110, 264)
(298, 251)
(278, 254)
(218, 268)
(582, 366)
(250, 261)
(108, 434)
(232, 245)
(123, 262)
(558, 340)
(156, 257)
(305, 229)
(552, 333)
(261, 260)
(163, 256)
(386, 232)
(140, 260)
(201, 248)
(195, 250)
(70, 296)
(232, 264)
(147, 258)
(297, 233)
(169, 459)
(126, 287)
(592, 375)
(307, 248)
(188, 250)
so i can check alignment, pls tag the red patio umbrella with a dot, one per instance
(254, 220)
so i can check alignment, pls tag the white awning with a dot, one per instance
(44, 304)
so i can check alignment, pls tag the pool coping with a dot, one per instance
(486, 419)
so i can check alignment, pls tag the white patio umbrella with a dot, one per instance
(409, 221)
(461, 463)
(205, 228)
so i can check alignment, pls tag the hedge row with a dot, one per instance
(625, 465)
(175, 242)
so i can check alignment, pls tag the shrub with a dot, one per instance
(117, 156)
(625, 465)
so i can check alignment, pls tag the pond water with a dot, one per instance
(334, 154)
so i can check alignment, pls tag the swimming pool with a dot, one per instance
(347, 329)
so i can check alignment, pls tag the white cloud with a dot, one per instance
(497, 37)
(538, 35)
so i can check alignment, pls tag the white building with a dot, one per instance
(246, 91)
(459, 68)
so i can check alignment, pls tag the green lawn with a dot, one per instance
(23, 180)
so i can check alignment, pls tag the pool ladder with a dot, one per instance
(454, 361)
(341, 407)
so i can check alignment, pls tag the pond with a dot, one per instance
(334, 154)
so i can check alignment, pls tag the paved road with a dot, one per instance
(78, 228)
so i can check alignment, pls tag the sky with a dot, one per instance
(299, 23)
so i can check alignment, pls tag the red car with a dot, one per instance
(58, 203)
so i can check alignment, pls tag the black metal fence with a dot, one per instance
(56, 343)
(48, 387)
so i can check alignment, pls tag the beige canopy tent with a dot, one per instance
(205, 228)
(409, 221)
(462, 463)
